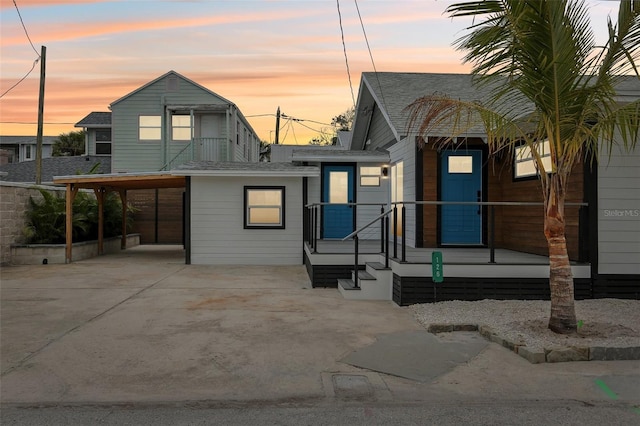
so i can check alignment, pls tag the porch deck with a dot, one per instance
(451, 255)
(468, 272)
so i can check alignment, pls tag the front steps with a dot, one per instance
(374, 283)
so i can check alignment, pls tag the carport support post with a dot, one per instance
(70, 196)
(100, 197)
(123, 198)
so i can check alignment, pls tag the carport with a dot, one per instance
(103, 184)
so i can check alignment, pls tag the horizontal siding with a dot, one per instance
(619, 213)
(371, 194)
(131, 155)
(217, 224)
(379, 133)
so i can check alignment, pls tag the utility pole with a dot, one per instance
(43, 60)
(277, 126)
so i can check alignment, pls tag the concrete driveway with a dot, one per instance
(143, 327)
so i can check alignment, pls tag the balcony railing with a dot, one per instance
(201, 149)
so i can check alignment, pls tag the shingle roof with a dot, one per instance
(17, 140)
(244, 169)
(54, 166)
(395, 91)
(95, 119)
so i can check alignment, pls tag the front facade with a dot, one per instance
(167, 122)
(603, 223)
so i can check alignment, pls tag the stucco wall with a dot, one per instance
(14, 202)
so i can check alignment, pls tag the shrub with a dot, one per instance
(46, 218)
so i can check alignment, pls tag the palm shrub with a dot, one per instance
(46, 218)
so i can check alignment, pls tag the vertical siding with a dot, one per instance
(619, 213)
(217, 224)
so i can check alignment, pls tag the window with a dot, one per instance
(264, 207)
(460, 164)
(103, 135)
(397, 190)
(525, 165)
(103, 142)
(28, 154)
(150, 128)
(370, 176)
(181, 127)
(103, 148)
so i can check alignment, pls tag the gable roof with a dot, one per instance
(141, 88)
(54, 166)
(95, 119)
(392, 92)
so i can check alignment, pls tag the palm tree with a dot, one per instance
(541, 56)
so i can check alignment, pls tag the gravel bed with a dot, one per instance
(605, 322)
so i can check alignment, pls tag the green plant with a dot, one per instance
(46, 218)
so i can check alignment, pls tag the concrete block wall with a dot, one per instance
(14, 202)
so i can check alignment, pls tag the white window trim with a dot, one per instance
(140, 127)
(519, 159)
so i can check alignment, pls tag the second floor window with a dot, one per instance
(181, 127)
(150, 128)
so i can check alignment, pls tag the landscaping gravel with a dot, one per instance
(602, 322)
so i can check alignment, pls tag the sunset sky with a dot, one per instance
(258, 54)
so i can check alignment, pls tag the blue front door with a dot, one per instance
(337, 218)
(461, 180)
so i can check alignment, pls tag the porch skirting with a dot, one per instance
(412, 290)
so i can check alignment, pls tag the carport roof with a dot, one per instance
(124, 181)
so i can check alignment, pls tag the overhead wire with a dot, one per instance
(22, 79)
(344, 48)
(366, 39)
(32, 46)
(25, 29)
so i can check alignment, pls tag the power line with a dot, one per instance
(25, 30)
(344, 48)
(370, 54)
(22, 79)
(32, 46)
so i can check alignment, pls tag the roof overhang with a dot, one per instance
(123, 181)
(306, 171)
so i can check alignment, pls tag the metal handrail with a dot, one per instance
(362, 228)
(176, 156)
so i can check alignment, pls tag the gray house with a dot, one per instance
(16, 149)
(167, 122)
(388, 215)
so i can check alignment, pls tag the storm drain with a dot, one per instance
(365, 386)
(347, 386)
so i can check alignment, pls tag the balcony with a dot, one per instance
(201, 149)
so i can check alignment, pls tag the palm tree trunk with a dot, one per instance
(563, 314)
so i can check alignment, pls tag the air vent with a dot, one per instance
(172, 84)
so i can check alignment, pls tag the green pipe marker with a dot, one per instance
(437, 273)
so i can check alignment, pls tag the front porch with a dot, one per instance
(468, 273)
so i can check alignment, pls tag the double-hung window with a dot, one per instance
(181, 127)
(150, 127)
(264, 207)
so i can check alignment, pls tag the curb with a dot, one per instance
(546, 355)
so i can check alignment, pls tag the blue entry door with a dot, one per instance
(461, 180)
(337, 220)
